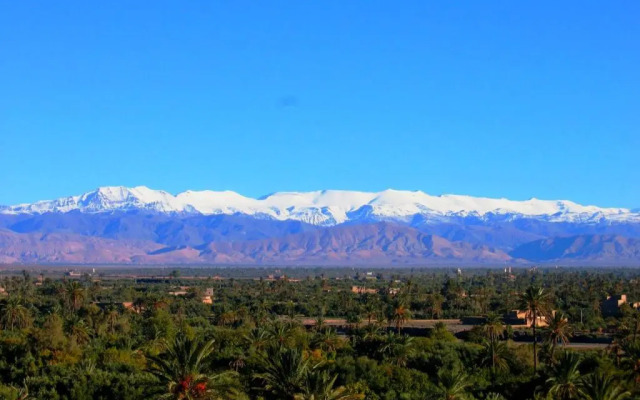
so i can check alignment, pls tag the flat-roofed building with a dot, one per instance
(362, 290)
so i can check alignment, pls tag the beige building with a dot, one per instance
(520, 317)
(362, 290)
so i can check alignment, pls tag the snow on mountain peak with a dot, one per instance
(323, 207)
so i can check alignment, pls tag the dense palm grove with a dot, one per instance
(93, 338)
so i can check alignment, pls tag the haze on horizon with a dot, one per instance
(514, 100)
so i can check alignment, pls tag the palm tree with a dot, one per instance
(558, 331)
(370, 332)
(407, 290)
(291, 310)
(283, 371)
(327, 340)
(320, 323)
(400, 316)
(280, 334)
(23, 287)
(258, 338)
(21, 393)
(79, 332)
(602, 386)
(371, 307)
(259, 310)
(110, 320)
(564, 377)
(13, 314)
(397, 348)
(630, 359)
(482, 299)
(636, 323)
(615, 349)
(183, 371)
(496, 355)
(227, 318)
(322, 386)
(452, 385)
(436, 301)
(536, 303)
(73, 294)
(353, 317)
(493, 326)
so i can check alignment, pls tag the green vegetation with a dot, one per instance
(319, 334)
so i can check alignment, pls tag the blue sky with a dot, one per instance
(499, 98)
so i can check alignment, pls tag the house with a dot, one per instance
(393, 291)
(128, 305)
(207, 300)
(365, 276)
(520, 317)
(611, 306)
(124, 305)
(362, 290)
(282, 277)
(180, 291)
(509, 274)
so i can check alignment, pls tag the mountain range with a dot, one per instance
(140, 225)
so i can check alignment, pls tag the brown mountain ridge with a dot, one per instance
(381, 243)
(369, 244)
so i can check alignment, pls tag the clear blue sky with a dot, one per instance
(487, 98)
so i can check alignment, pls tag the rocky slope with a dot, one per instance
(591, 249)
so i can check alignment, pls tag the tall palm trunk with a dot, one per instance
(535, 354)
(536, 302)
(493, 362)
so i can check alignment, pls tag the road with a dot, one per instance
(453, 326)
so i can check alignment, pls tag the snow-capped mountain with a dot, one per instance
(141, 225)
(327, 207)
